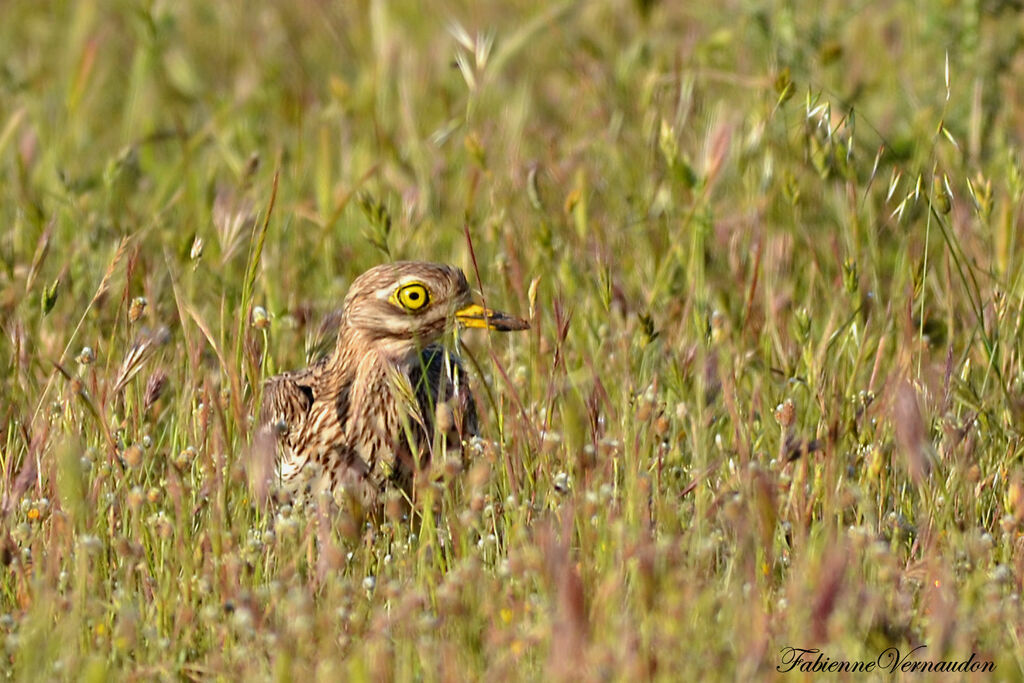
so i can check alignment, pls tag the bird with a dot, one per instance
(367, 417)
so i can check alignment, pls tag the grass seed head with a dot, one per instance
(137, 308)
(86, 356)
(132, 456)
(785, 413)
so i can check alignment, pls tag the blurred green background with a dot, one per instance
(772, 395)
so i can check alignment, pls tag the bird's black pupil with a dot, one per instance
(414, 295)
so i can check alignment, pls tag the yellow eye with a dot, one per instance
(412, 296)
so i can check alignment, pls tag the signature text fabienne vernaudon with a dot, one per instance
(891, 659)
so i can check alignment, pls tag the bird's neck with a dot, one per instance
(356, 347)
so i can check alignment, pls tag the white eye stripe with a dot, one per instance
(400, 285)
(408, 280)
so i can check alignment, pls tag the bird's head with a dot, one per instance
(407, 305)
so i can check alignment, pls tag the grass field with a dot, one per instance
(772, 395)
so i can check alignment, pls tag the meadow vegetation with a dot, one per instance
(772, 395)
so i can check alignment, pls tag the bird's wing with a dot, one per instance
(284, 409)
(287, 399)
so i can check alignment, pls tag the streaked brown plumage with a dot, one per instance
(363, 418)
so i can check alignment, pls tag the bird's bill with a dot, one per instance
(476, 315)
